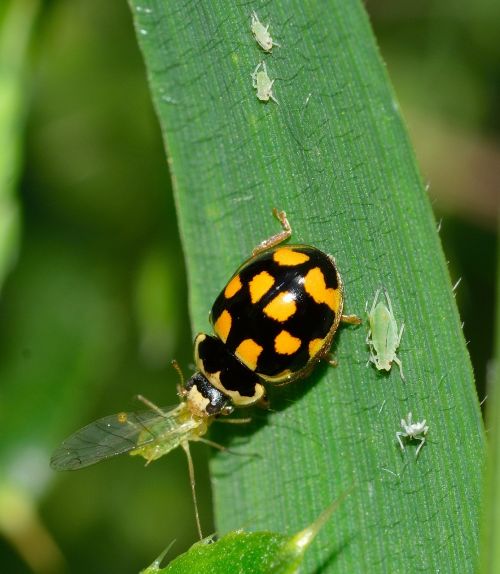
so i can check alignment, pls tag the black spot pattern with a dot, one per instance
(311, 320)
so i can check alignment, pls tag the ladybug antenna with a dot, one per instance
(176, 366)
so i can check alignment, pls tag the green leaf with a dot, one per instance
(335, 155)
(490, 532)
(256, 552)
(16, 21)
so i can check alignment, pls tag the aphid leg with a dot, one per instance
(254, 75)
(151, 405)
(212, 444)
(368, 339)
(279, 237)
(398, 436)
(351, 319)
(400, 365)
(222, 448)
(271, 93)
(422, 441)
(148, 461)
(185, 446)
(401, 333)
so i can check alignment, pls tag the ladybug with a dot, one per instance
(273, 321)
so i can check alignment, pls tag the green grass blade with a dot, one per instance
(490, 540)
(335, 154)
(16, 21)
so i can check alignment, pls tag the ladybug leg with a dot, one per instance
(351, 319)
(330, 359)
(279, 237)
(264, 403)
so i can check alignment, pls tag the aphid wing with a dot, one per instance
(107, 437)
(170, 432)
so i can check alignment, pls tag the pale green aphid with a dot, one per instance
(383, 337)
(263, 84)
(261, 34)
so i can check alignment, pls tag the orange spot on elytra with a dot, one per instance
(248, 352)
(232, 287)
(281, 307)
(286, 344)
(315, 346)
(315, 286)
(259, 285)
(289, 257)
(223, 325)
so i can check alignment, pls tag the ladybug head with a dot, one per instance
(203, 399)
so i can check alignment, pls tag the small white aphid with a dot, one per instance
(383, 337)
(261, 34)
(263, 84)
(413, 431)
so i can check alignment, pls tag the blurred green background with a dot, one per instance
(94, 307)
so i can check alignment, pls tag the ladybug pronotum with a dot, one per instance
(273, 321)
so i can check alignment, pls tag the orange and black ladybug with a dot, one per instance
(273, 321)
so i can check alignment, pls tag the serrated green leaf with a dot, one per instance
(335, 155)
(246, 552)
